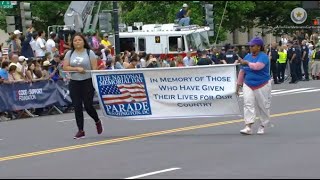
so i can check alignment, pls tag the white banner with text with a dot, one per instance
(164, 93)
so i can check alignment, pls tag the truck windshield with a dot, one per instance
(205, 39)
(198, 41)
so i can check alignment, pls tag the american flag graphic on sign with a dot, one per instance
(123, 93)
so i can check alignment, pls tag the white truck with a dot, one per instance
(165, 39)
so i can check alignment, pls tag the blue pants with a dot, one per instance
(305, 64)
(298, 70)
(293, 71)
(184, 21)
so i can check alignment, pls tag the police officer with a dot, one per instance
(231, 57)
(214, 56)
(291, 55)
(274, 56)
(282, 63)
(305, 60)
(221, 55)
(298, 60)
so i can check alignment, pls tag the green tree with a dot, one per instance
(239, 15)
(4, 13)
(274, 13)
(165, 12)
(44, 13)
(277, 13)
(235, 17)
(47, 13)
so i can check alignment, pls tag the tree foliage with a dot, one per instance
(48, 13)
(277, 13)
(274, 13)
(165, 12)
(239, 15)
(45, 13)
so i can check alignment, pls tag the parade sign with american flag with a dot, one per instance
(124, 94)
(166, 93)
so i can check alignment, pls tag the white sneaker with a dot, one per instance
(247, 131)
(260, 130)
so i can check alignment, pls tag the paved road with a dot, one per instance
(196, 148)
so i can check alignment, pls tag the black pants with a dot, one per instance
(306, 69)
(82, 92)
(281, 71)
(293, 71)
(238, 69)
(298, 70)
(274, 70)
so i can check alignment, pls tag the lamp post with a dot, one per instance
(116, 27)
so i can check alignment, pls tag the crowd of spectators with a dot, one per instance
(35, 57)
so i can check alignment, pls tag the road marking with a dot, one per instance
(1, 139)
(140, 136)
(290, 91)
(313, 90)
(152, 173)
(277, 90)
(299, 92)
(67, 120)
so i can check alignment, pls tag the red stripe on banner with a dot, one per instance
(129, 93)
(117, 97)
(130, 87)
(139, 83)
(117, 101)
(135, 92)
(126, 97)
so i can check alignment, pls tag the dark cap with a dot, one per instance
(203, 52)
(256, 41)
(290, 42)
